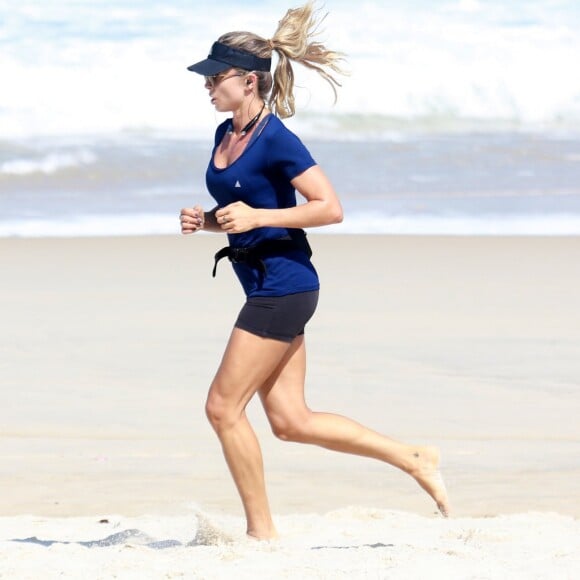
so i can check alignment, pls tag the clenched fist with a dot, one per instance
(192, 219)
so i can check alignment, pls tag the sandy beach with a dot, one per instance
(470, 343)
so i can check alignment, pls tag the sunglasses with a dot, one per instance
(213, 80)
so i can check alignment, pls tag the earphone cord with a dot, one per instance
(253, 121)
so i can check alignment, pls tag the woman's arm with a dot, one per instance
(322, 208)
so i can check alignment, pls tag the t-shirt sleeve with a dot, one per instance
(287, 155)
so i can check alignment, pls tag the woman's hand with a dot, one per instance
(192, 219)
(237, 217)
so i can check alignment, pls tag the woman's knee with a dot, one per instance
(219, 414)
(212, 411)
(290, 428)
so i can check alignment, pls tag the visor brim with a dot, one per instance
(209, 67)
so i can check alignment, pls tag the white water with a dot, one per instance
(102, 66)
(355, 223)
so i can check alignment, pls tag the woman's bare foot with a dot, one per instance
(262, 535)
(427, 474)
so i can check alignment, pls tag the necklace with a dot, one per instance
(250, 125)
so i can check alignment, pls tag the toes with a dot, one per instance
(443, 508)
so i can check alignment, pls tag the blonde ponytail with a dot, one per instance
(293, 41)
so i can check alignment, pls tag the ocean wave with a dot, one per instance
(143, 224)
(48, 164)
(427, 64)
(460, 225)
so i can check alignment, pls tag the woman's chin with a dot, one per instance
(217, 106)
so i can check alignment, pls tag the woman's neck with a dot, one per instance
(242, 123)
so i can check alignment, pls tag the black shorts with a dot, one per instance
(278, 317)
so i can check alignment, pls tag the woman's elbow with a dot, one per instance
(335, 214)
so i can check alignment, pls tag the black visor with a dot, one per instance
(223, 57)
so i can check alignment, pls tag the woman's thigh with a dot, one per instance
(282, 394)
(248, 361)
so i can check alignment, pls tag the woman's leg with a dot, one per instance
(247, 363)
(282, 396)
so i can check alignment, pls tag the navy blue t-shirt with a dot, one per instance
(261, 177)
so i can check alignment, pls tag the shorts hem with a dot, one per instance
(275, 294)
(265, 333)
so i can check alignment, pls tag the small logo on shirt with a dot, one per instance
(238, 184)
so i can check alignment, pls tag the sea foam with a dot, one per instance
(48, 164)
(70, 67)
